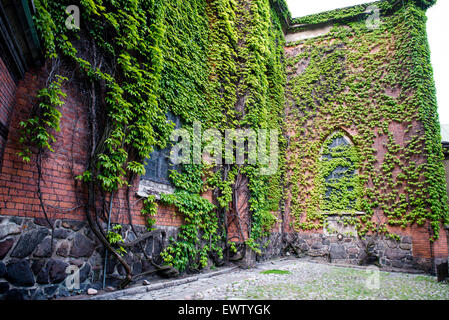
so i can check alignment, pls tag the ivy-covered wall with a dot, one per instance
(375, 86)
(129, 63)
(108, 85)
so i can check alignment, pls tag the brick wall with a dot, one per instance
(320, 123)
(63, 196)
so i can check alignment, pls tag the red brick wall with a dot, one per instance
(420, 241)
(439, 247)
(64, 197)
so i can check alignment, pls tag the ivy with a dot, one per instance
(149, 210)
(115, 238)
(36, 130)
(221, 62)
(358, 80)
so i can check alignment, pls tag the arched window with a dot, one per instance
(338, 173)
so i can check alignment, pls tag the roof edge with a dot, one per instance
(356, 12)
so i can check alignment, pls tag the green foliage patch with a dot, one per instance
(275, 271)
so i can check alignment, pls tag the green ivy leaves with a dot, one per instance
(36, 130)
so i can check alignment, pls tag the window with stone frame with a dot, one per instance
(157, 168)
(338, 168)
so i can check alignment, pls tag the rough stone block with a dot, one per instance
(85, 272)
(44, 249)
(395, 254)
(4, 287)
(61, 233)
(74, 225)
(42, 277)
(63, 249)
(337, 251)
(19, 273)
(405, 246)
(316, 245)
(7, 229)
(16, 295)
(391, 244)
(81, 247)
(57, 270)
(28, 243)
(2, 269)
(37, 266)
(5, 246)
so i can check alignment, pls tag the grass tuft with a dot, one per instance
(274, 271)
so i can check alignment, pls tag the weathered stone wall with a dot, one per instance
(32, 268)
(384, 253)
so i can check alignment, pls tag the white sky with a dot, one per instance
(436, 30)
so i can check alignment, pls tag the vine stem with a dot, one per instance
(39, 193)
(107, 232)
(106, 243)
(142, 238)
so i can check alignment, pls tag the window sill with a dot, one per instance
(343, 213)
(336, 225)
(148, 188)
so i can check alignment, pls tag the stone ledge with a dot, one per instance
(312, 32)
(342, 214)
(148, 188)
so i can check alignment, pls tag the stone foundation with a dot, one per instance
(380, 251)
(32, 268)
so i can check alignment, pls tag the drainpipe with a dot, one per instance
(106, 250)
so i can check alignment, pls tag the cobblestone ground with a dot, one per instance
(297, 279)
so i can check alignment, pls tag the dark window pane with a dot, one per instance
(340, 179)
(158, 163)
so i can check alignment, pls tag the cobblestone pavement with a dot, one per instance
(299, 279)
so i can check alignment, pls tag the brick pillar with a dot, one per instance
(440, 249)
(427, 254)
(421, 247)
